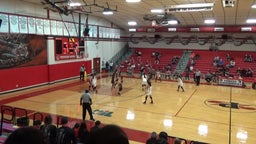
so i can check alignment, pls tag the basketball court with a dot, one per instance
(205, 113)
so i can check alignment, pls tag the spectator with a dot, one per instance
(94, 132)
(110, 134)
(65, 134)
(26, 135)
(249, 72)
(232, 63)
(163, 138)
(49, 130)
(83, 133)
(82, 70)
(152, 139)
(37, 124)
(96, 126)
(76, 129)
(220, 63)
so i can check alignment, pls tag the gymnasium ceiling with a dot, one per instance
(124, 12)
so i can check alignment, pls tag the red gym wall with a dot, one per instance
(16, 78)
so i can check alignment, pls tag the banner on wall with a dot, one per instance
(69, 48)
(22, 50)
(14, 24)
(39, 26)
(4, 25)
(31, 25)
(23, 24)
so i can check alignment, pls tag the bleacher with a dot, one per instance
(165, 58)
(205, 63)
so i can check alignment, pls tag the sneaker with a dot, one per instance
(92, 119)
(144, 102)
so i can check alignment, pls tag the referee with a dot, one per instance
(86, 102)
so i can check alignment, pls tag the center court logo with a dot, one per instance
(103, 112)
(226, 105)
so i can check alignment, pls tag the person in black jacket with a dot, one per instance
(65, 134)
(49, 130)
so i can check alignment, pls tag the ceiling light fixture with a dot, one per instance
(191, 7)
(133, 1)
(209, 21)
(172, 22)
(107, 11)
(72, 4)
(157, 11)
(254, 6)
(132, 23)
(251, 21)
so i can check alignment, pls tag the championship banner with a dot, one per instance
(71, 29)
(31, 25)
(101, 32)
(23, 24)
(53, 27)
(47, 30)
(14, 24)
(65, 27)
(39, 26)
(93, 31)
(59, 28)
(5, 21)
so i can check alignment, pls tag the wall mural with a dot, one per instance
(20, 50)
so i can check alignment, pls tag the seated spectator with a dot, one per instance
(220, 63)
(197, 56)
(192, 62)
(249, 72)
(228, 57)
(37, 124)
(110, 134)
(250, 58)
(215, 64)
(83, 133)
(49, 130)
(138, 53)
(26, 135)
(216, 59)
(238, 71)
(65, 134)
(152, 139)
(208, 77)
(76, 129)
(232, 63)
(163, 138)
(243, 72)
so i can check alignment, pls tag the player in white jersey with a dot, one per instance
(144, 81)
(148, 93)
(180, 83)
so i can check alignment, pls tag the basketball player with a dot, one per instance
(148, 93)
(158, 76)
(93, 83)
(144, 81)
(180, 84)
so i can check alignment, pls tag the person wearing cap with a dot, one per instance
(65, 134)
(85, 102)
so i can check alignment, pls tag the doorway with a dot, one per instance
(96, 65)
